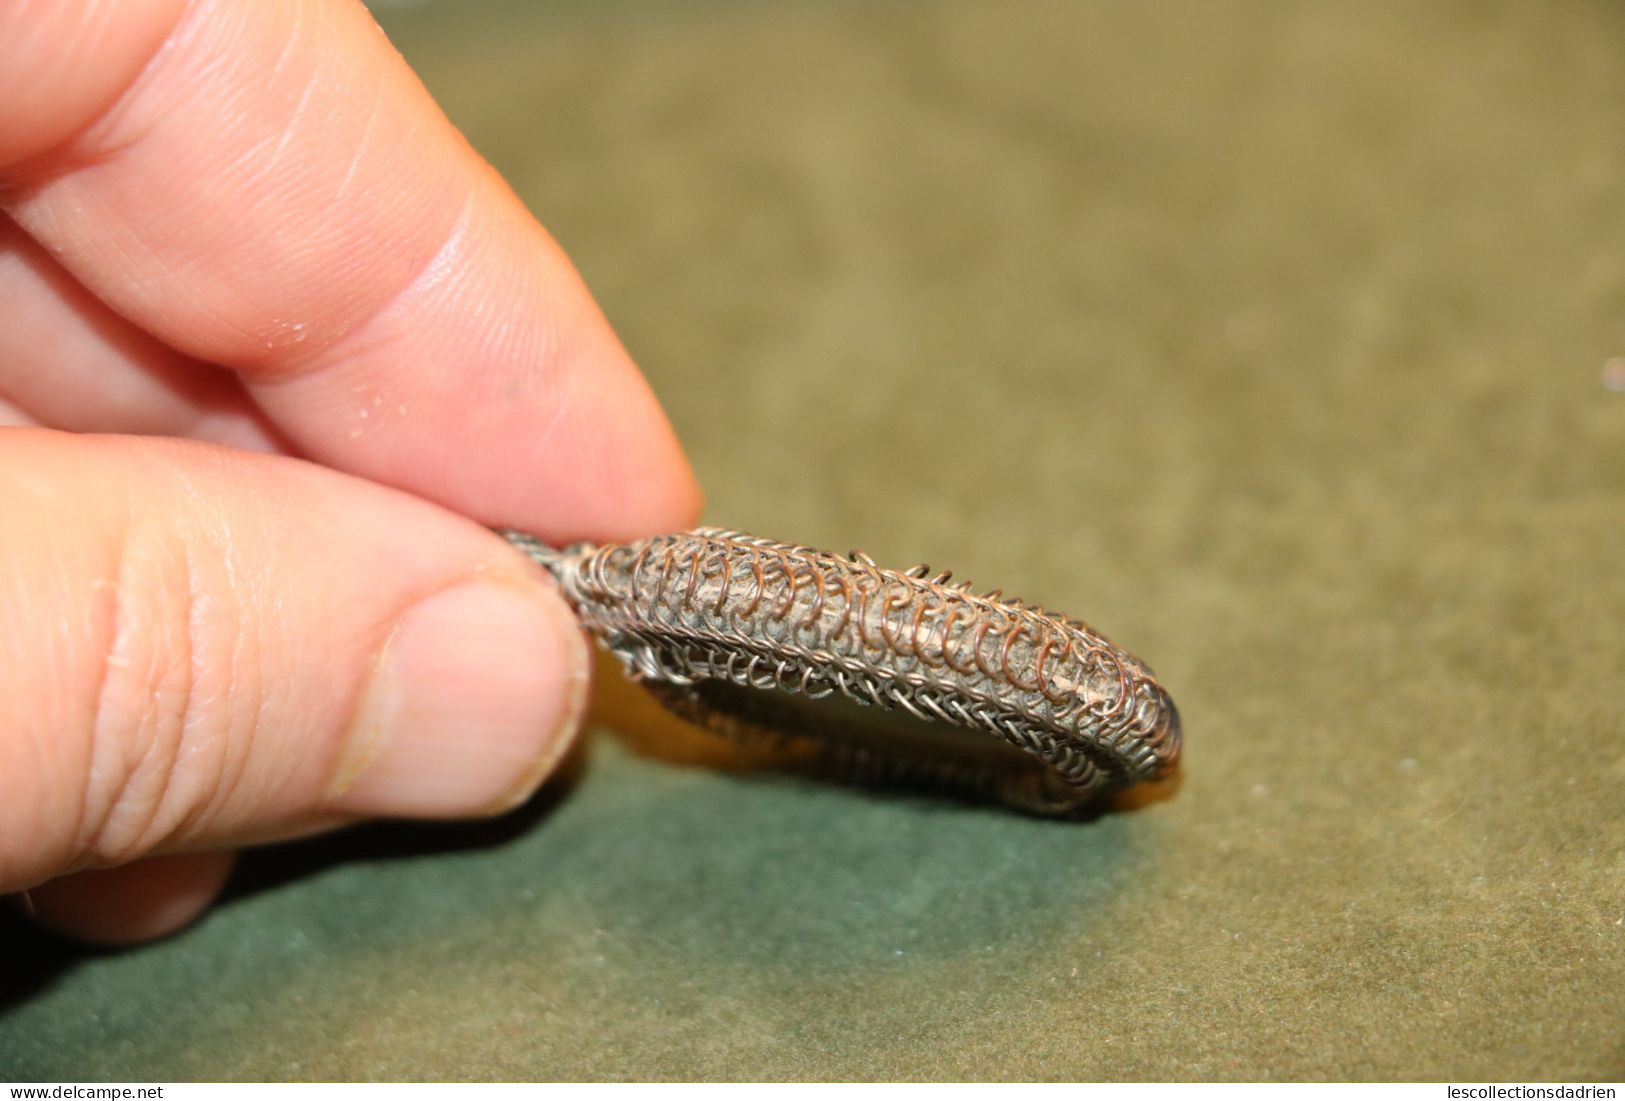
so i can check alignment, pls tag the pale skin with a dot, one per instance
(276, 349)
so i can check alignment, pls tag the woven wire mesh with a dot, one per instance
(695, 613)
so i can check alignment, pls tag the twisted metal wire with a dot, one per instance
(722, 606)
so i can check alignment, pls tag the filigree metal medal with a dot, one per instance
(893, 676)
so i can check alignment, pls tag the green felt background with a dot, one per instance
(1269, 337)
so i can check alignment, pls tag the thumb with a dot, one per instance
(204, 648)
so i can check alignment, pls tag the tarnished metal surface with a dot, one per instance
(756, 638)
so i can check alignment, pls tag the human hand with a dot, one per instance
(246, 228)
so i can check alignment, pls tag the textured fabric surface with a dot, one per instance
(1268, 337)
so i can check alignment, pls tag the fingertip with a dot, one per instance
(193, 632)
(133, 903)
(403, 316)
(475, 697)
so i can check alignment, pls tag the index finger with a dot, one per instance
(268, 187)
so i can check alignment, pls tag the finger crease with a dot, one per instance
(78, 147)
(315, 352)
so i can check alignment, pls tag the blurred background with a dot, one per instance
(1283, 341)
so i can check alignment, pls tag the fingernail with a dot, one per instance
(475, 697)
